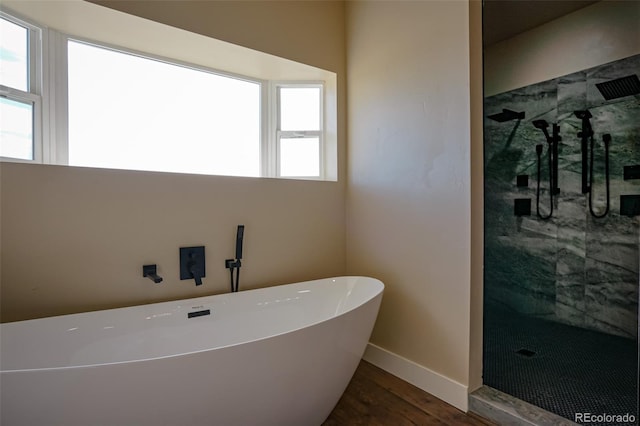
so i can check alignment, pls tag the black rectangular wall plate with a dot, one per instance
(629, 205)
(522, 180)
(189, 255)
(632, 172)
(522, 207)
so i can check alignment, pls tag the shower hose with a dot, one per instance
(539, 152)
(606, 139)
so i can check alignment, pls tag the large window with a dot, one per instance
(101, 105)
(20, 98)
(131, 112)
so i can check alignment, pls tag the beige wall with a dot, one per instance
(75, 239)
(597, 34)
(408, 196)
(311, 32)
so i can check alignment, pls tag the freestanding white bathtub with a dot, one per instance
(281, 355)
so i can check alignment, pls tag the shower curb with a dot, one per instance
(507, 410)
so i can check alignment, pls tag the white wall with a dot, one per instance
(408, 195)
(597, 34)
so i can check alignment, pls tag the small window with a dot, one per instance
(17, 129)
(19, 90)
(14, 56)
(300, 134)
(132, 112)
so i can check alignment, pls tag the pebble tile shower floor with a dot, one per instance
(560, 368)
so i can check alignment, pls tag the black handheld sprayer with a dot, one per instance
(586, 135)
(235, 264)
(552, 151)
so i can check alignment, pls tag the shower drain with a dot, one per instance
(525, 353)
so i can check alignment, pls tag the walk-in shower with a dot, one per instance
(561, 282)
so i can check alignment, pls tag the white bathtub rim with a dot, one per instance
(367, 300)
(221, 295)
(175, 355)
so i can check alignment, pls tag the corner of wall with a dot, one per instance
(440, 386)
(477, 195)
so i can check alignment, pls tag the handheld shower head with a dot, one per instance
(239, 238)
(583, 115)
(540, 124)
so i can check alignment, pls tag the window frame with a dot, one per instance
(37, 88)
(279, 134)
(62, 69)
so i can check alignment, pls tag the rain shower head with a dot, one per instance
(620, 87)
(506, 115)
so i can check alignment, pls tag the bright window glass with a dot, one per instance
(300, 108)
(16, 129)
(299, 157)
(130, 112)
(14, 55)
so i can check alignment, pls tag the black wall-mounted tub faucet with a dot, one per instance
(151, 272)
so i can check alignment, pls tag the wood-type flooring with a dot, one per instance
(377, 398)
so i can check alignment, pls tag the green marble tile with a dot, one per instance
(573, 268)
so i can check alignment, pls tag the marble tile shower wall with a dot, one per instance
(572, 268)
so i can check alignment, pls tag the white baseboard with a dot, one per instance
(436, 384)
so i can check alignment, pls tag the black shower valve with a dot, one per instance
(522, 180)
(522, 207)
(192, 264)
